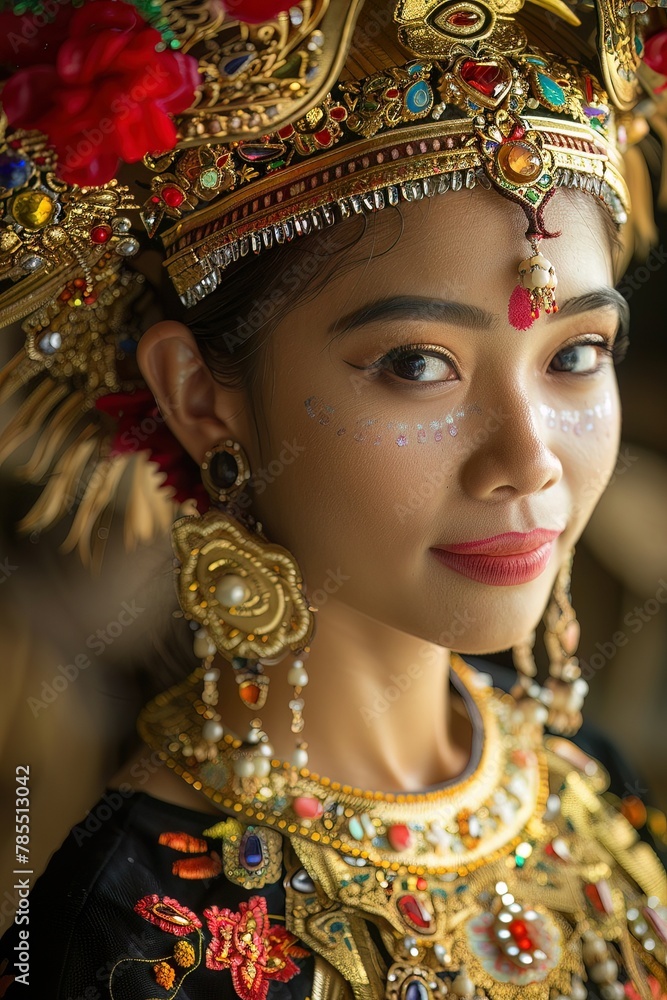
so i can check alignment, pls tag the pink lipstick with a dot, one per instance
(502, 560)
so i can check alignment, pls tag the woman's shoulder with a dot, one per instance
(123, 905)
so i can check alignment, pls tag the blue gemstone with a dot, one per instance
(418, 97)
(251, 854)
(553, 93)
(14, 171)
(234, 65)
(416, 991)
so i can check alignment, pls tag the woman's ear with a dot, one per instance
(198, 410)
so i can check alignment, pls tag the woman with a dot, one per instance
(402, 441)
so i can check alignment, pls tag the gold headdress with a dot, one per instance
(271, 130)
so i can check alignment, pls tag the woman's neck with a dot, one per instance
(378, 708)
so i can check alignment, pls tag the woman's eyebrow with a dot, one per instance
(600, 298)
(414, 307)
(464, 315)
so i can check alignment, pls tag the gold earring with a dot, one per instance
(247, 596)
(565, 686)
(559, 702)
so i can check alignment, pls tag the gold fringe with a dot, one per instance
(641, 198)
(100, 491)
(30, 416)
(59, 493)
(52, 437)
(150, 506)
(16, 373)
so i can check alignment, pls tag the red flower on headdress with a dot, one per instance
(139, 426)
(255, 11)
(101, 93)
(167, 914)
(655, 54)
(254, 951)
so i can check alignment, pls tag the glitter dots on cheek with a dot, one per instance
(371, 430)
(578, 421)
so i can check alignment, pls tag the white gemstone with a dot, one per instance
(501, 888)
(504, 933)
(512, 950)
(297, 676)
(507, 898)
(525, 958)
(300, 757)
(266, 749)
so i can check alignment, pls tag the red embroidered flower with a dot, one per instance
(167, 914)
(255, 11)
(139, 426)
(203, 866)
(184, 842)
(104, 94)
(251, 948)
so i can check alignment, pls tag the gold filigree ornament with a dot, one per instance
(272, 615)
(252, 856)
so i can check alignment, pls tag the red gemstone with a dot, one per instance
(307, 807)
(66, 295)
(220, 162)
(414, 912)
(100, 234)
(391, 93)
(518, 132)
(339, 114)
(463, 18)
(324, 137)
(517, 928)
(589, 88)
(249, 693)
(286, 131)
(487, 78)
(399, 837)
(89, 299)
(421, 883)
(155, 200)
(172, 196)
(600, 896)
(79, 282)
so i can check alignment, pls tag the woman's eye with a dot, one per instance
(413, 365)
(581, 359)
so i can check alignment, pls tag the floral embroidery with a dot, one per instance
(164, 975)
(254, 951)
(168, 914)
(183, 842)
(184, 954)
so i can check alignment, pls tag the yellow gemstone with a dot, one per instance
(32, 209)
(520, 162)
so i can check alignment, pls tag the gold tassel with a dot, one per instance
(17, 373)
(641, 198)
(59, 493)
(150, 506)
(30, 416)
(52, 437)
(100, 491)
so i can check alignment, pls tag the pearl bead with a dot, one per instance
(266, 750)
(613, 991)
(577, 989)
(203, 644)
(297, 676)
(212, 731)
(244, 767)
(261, 766)
(231, 590)
(463, 986)
(300, 757)
(297, 663)
(252, 737)
(212, 675)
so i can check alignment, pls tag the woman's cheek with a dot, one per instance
(586, 441)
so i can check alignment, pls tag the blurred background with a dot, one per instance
(80, 656)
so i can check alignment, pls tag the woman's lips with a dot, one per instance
(503, 560)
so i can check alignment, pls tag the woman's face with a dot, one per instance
(403, 412)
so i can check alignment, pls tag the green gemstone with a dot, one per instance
(532, 195)
(519, 861)
(209, 178)
(551, 91)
